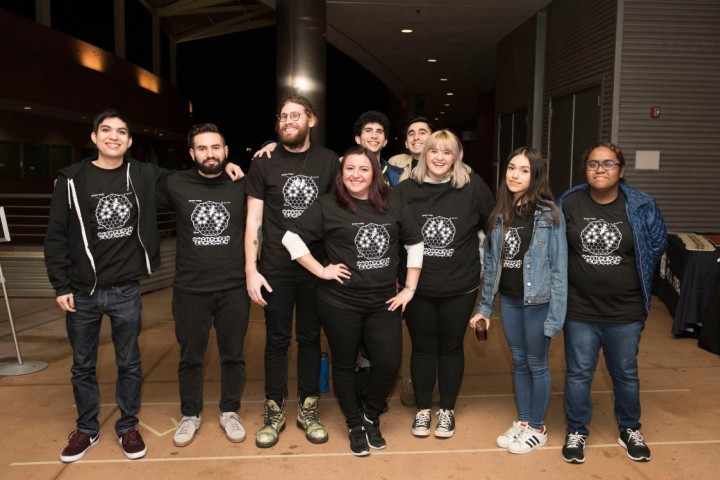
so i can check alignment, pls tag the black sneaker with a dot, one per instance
(634, 443)
(358, 442)
(132, 444)
(574, 449)
(78, 443)
(446, 423)
(372, 429)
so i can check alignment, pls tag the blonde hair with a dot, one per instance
(444, 138)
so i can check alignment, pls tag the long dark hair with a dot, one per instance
(379, 193)
(538, 193)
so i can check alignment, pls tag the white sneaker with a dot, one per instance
(528, 440)
(186, 431)
(510, 435)
(232, 425)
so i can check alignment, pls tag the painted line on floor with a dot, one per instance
(604, 392)
(299, 456)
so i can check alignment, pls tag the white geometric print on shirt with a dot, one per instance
(210, 219)
(372, 241)
(300, 191)
(600, 239)
(512, 247)
(437, 234)
(112, 212)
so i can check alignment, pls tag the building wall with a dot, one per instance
(671, 59)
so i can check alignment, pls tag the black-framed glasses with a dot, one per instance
(606, 164)
(294, 116)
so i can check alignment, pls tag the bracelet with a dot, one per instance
(408, 287)
(322, 275)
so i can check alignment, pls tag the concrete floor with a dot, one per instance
(680, 391)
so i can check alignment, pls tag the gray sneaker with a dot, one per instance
(186, 431)
(231, 423)
(274, 423)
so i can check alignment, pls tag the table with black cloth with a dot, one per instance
(688, 285)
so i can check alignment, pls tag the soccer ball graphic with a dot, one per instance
(512, 243)
(600, 238)
(372, 240)
(438, 232)
(210, 218)
(300, 192)
(113, 211)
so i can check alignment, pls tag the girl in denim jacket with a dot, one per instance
(525, 259)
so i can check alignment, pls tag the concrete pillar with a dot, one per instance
(119, 13)
(42, 12)
(301, 55)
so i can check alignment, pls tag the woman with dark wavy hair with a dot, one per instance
(526, 261)
(362, 227)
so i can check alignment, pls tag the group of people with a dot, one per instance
(351, 247)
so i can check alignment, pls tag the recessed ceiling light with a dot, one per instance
(450, 94)
(443, 79)
(436, 119)
(406, 30)
(432, 60)
(447, 104)
(27, 108)
(442, 113)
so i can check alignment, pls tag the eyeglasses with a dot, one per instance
(606, 164)
(294, 116)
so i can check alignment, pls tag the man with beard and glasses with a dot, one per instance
(209, 288)
(279, 190)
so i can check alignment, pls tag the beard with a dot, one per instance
(296, 140)
(212, 170)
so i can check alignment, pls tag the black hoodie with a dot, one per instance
(69, 255)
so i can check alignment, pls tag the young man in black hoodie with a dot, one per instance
(102, 239)
(209, 288)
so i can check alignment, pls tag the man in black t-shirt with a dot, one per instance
(209, 288)
(279, 190)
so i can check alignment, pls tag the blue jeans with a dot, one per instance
(120, 302)
(524, 332)
(620, 343)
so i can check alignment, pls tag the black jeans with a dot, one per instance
(381, 334)
(289, 292)
(195, 314)
(437, 327)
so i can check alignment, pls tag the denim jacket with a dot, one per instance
(544, 269)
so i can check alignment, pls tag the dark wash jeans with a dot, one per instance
(620, 343)
(120, 302)
(288, 292)
(195, 314)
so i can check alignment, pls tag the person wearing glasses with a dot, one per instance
(279, 190)
(615, 235)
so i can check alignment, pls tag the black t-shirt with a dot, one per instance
(517, 240)
(603, 281)
(117, 251)
(366, 242)
(288, 183)
(210, 224)
(450, 220)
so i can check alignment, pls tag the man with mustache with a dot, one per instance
(209, 288)
(279, 190)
